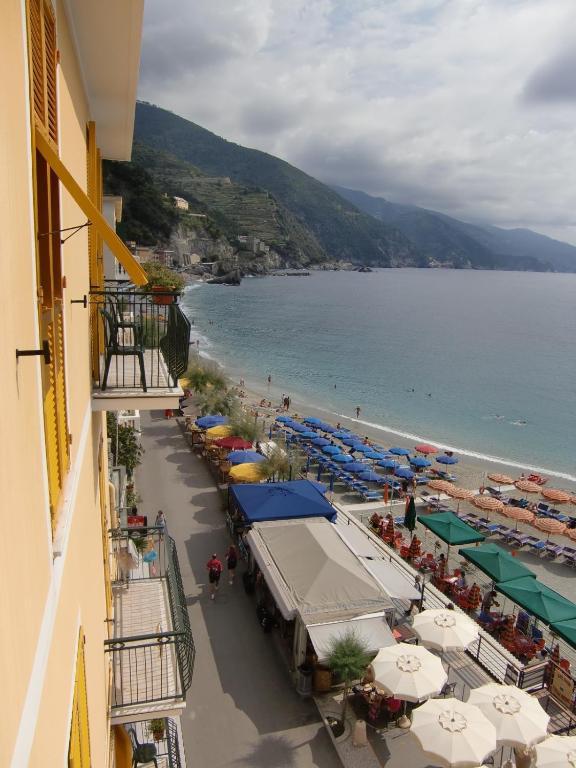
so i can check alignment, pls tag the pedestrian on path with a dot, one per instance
(160, 523)
(358, 409)
(214, 568)
(231, 562)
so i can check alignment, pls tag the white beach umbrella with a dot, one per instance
(519, 718)
(445, 630)
(453, 733)
(557, 752)
(409, 672)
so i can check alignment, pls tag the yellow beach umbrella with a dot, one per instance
(246, 473)
(222, 430)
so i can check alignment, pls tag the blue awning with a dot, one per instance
(280, 501)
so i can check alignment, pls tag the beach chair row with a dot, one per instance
(520, 539)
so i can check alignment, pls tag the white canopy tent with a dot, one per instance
(374, 631)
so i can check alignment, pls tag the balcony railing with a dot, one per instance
(168, 754)
(140, 341)
(152, 651)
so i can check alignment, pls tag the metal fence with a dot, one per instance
(156, 666)
(167, 747)
(139, 340)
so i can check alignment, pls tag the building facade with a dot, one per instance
(66, 106)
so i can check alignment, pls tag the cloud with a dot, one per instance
(554, 81)
(438, 103)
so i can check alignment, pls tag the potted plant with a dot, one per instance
(157, 728)
(162, 280)
(348, 657)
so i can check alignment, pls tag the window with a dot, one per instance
(79, 746)
(43, 55)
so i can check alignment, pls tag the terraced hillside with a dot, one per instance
(236, 209)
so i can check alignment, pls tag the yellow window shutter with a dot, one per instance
(36, 59)
(79, 744)
(43, 57)
(61, 411)
(51, 427)
(50, 54)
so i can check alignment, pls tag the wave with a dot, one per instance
(463, 451)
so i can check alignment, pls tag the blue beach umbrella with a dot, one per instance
(357, 466)
(350, 441)
(212, 420)
(420, 461)
(370, 477)
(312, 420)
(388, 463)
(404, 473)
(328, 428)
(375, 455)
(399, 451)
(446, 459)
(308, 435)
(321, 441)
(341, 434)
(361, 448)
(245, 457)
(297, 427)
(343, 458)
(331, 450)
(284, 419)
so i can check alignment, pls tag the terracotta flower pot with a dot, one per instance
(166, 299)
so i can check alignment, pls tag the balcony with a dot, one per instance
(152, 651)
(168, 748)
(140, 346)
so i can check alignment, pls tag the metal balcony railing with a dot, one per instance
(139, 340)
(168, 747)
(152, 651)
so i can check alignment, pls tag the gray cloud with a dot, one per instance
(554, 81)
(413, 100)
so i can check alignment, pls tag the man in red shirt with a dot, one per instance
(214, 568)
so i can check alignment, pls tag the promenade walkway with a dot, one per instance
(242, 709)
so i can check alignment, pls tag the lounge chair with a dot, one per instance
(553, 550)
(535, 543)
(542, 507)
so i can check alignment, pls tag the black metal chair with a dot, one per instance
(114, 345)
(142, 753)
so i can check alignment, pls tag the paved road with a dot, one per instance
(241, 708)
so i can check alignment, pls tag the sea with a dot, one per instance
(481, 362)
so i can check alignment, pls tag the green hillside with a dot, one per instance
(307, 211)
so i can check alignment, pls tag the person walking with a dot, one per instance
(358, 411)
(214, 568)
(160, 523)
(231, 562)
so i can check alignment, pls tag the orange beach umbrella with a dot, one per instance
(527, 486)
(389, 532)
(572, 499)
(489, 503)
(459, 493)
(556, 495)
(414, 549)
(507, 634)
(571, 533)
(549, 525)
(440, 485)
(501, 479)
(519, 514)
(474, 598)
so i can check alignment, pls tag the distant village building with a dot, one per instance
(180, 203)
(190, 259)
(166, 257)
(252, 244)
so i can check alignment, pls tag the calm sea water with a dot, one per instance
(481, 361)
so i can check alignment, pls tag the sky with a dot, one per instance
(463, 106)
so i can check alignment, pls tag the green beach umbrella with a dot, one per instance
(410, 515)
(450, 528)
(538, 599)
(496, 562)
(566, 630)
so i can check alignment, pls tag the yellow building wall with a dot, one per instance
(36, 583)
(24, 513)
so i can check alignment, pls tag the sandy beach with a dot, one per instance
(471, 472)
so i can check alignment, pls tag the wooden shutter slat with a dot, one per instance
(51, 426)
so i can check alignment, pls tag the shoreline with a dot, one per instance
(473, 464)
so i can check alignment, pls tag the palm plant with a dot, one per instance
(221, 401)
(246, 426)
(202, 375)
(276, 465)
(348, 657)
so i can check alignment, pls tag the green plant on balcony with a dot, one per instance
(157, 728)
(126, 449)
(161, 277)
